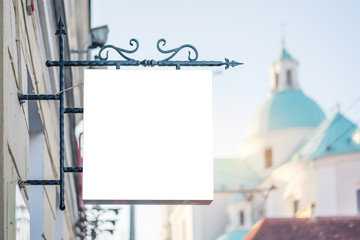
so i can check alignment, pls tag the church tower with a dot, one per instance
(283, 121)
(284, 73)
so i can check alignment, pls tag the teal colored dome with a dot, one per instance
(286, 109)
(237, 197)
(234, 235)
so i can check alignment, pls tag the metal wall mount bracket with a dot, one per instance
(102, 60)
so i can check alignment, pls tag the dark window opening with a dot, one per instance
(296, 206)
(276, 80)
(289, 78)
(242, 220)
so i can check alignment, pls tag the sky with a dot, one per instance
(323, 36)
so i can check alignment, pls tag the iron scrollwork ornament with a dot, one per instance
(120, 51)
(175, 51)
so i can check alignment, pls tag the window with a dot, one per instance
(296, 206)
(242, 220)
(289, 78)
(358, 201)
(276, 80)
(36, 166)
(268, 158)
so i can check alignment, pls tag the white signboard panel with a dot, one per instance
(148, 137)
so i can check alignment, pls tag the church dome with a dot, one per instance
(285, 109)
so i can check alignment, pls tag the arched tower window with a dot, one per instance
(276, 80)
(242, 220)
(289, 78)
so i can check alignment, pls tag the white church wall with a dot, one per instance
(233, 212)
(299, 192)
(338, 180)
(165, 233)
(194, 222)
(293, 183)
(327, 199)
(283, 143)
(258, 208)
(210, 221)
(270, 204)
(330, 183)
(275, 203)
(181, 220)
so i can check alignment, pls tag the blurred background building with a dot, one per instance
(29, 136)
(294, 162)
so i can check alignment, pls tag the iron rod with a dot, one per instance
(191, 63)
(40, 182)
(60, 32)
(73, 169)
(74, 110)
(23, 97)
(92, 63)
(144, 63)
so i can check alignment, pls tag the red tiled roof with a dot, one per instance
(320, 228)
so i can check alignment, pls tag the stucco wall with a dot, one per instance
(26, 42)
(283, 143)
(181, 220)
(338, 180)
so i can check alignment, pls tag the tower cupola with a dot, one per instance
(283, 73)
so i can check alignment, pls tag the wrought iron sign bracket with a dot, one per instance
(103, 61)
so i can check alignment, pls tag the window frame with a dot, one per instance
(268, 157)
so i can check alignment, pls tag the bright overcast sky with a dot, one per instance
(324, 36)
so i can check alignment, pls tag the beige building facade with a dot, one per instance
(29, 131)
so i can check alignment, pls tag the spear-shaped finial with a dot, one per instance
(231, 63)
(61, 23)
(61, 27)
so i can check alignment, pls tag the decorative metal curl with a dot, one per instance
(176, 50)
(120, 51)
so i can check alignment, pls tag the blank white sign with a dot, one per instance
(148, 137)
